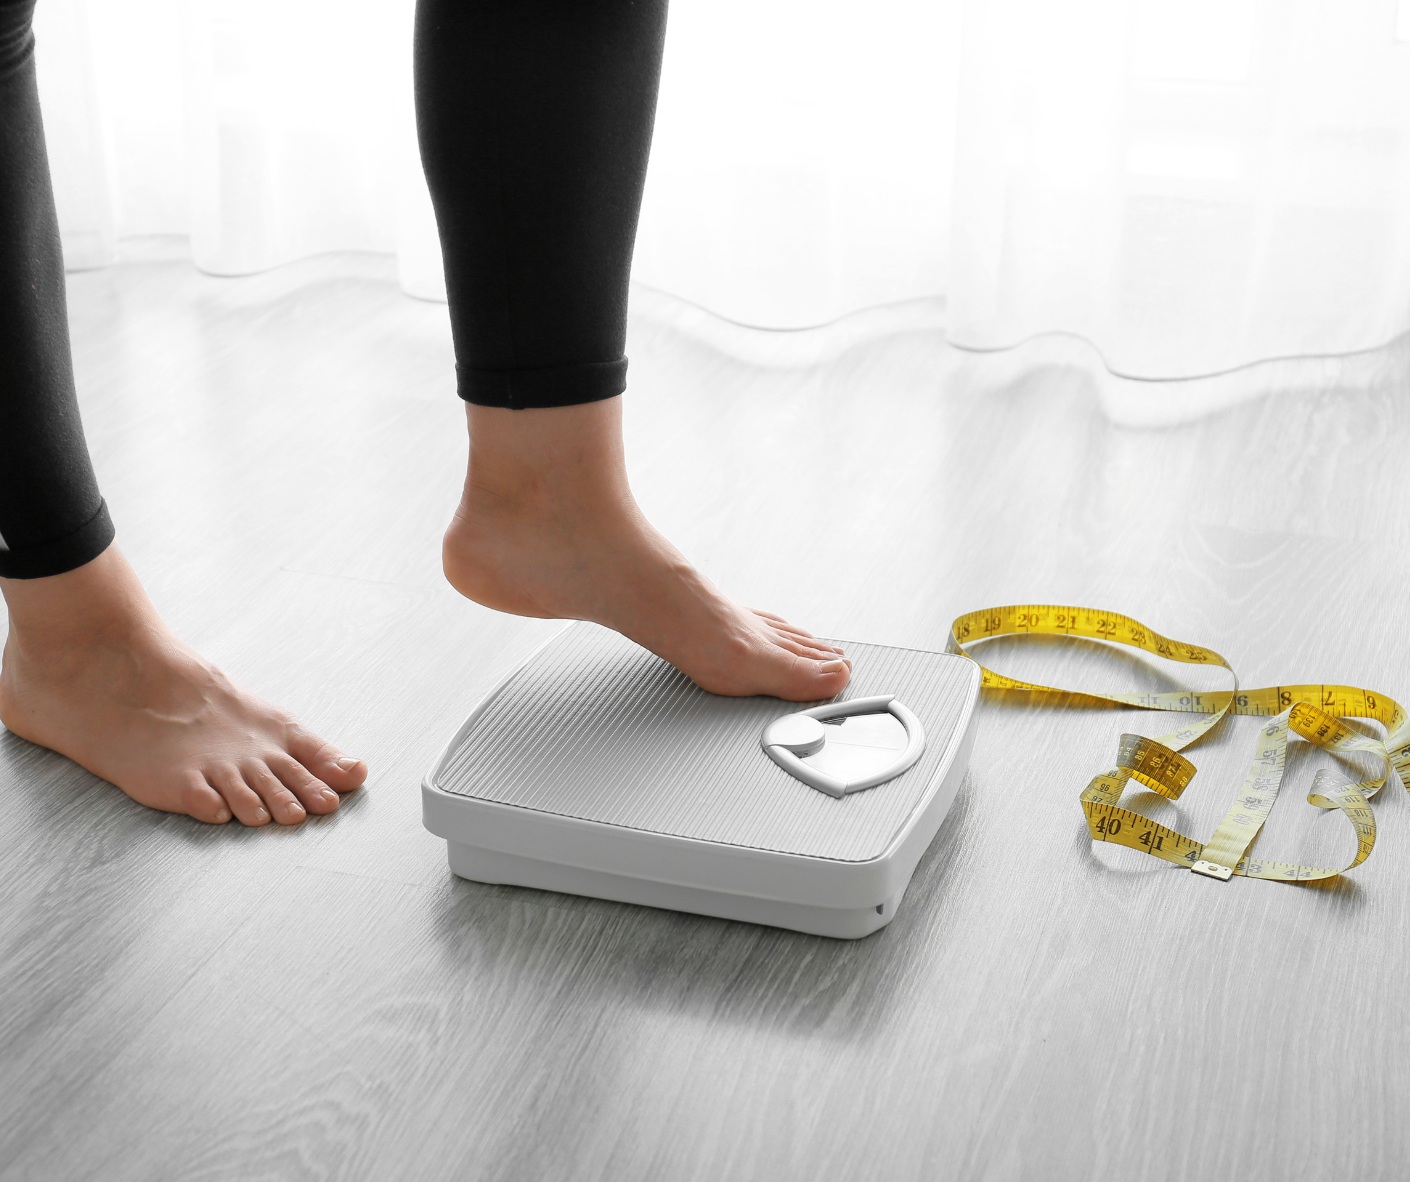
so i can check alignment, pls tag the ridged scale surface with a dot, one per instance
(598, 728)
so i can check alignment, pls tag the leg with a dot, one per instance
(89, 668)
(535, 124)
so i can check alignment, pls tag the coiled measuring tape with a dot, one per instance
(1310, 711)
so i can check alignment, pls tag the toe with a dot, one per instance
(807, 646)
(282, 804)
(243, 800)
(828, 677)
(780, 623)
(807, 680)
(340, 772)
(782, 627)
(802, 648)
(317, 797)
(200, 800)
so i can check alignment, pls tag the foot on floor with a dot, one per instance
(547, 526)
(91, 671)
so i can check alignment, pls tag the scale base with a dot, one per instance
(597, 769)
(492, 866)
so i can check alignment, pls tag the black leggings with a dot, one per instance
(534, 118)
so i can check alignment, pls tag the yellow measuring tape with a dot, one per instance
(1310, 711)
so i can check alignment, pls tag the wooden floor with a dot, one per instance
(281, 454)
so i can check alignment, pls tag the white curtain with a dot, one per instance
(1191, 185)
(266, 130)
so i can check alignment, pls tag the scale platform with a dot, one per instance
(595, 768)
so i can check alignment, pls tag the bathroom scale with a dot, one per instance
(595, 768)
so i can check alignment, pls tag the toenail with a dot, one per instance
(222, 816)
(347, 763)
(833, 667)
(261, 815)
(329, 796)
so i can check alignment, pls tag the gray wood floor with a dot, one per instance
(281, 454)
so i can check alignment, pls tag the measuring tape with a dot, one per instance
(1310, 711)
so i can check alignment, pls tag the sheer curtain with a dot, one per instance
(1190, 185)
(266, 130)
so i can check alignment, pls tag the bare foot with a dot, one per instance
(547, 526)
(91, 671)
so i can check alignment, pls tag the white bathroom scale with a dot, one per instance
(595, 768)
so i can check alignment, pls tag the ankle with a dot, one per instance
(101, 603)
(546, 462)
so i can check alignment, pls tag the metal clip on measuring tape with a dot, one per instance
(1311, 711)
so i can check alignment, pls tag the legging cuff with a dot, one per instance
(63, 554)
(539, 389)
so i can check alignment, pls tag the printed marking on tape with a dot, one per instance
(1309, 711)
